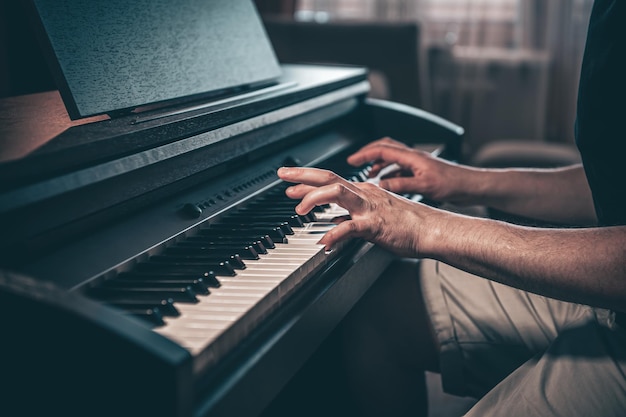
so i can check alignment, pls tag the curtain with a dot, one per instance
(565, 35)
(469, 45)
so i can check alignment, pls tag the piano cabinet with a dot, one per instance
(66, 352)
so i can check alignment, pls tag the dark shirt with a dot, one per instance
(601, 114)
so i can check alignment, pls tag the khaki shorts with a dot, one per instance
(523, 354)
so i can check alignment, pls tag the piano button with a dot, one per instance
(192, 211)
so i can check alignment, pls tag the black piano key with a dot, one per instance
(199, 260)
(257, 247)
(184, 295)
(198, 286)
(218, 268)
(291, 219)
(197, 257)
(244, 224)
(220, 235)
(288, 212)
(262, 208)
(208, 278)
(276, 233)
(166, 307)
(153, 315)
(225, 243)
(200, 251)
(215, 235)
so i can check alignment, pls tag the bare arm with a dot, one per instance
(585, 265)
(556, 195)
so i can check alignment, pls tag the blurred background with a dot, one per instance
(505, 70)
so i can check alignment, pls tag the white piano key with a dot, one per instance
(246, 298)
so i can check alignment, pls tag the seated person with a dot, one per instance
(529, 320)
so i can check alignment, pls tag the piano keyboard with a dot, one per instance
(229, 275)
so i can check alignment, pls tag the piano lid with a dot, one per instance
(114, 56)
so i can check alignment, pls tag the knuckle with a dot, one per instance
(338, 189)
(329, 176)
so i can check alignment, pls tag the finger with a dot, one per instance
(343, 231)
(391, 141)
(398, 185)
(297, 192)
(310, 176)
(394, 171)
(385, 141)
(341, 219)
(377, 167)
(339, 194)
(382, 152)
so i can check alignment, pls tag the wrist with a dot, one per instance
(471, 186)
(435, 228)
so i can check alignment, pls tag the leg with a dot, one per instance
(387, 344)
(582, 373)
(525, 354)
(484, 332)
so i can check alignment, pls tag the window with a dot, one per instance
(495, 23)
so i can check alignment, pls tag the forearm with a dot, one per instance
(556, 195)
(586, 265)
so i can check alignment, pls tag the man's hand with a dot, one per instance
(418, 172)
(553, 262)
(376, 215)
